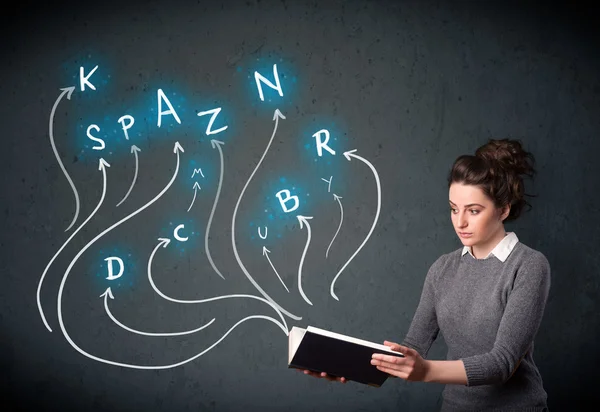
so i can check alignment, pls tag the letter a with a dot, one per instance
(260, 78)
(161, 97)
(110, 267)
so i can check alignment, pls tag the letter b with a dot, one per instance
(287, 198)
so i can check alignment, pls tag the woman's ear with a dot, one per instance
(504, 212)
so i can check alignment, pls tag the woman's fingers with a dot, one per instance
(396, 346)
(393, 372)
(392, 360)
(325, 376)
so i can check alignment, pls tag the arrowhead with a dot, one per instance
(278, 114)
(196, 186)
(349, 153)
(177, 148)
(303, 219)
(102, 164)
(164, 241)
(134, 148)
(69, 91)
(336, 197)
(108, 293)
(214, 143)
(265, 251)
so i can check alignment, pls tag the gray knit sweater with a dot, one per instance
(489, 312)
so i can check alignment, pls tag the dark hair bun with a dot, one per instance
(497, 168)
(509, 155)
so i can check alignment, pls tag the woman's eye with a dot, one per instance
(473, 211)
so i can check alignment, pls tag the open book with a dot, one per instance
(338, 355)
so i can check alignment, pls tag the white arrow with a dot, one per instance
(216, 144)
(336, 197)
(68, 91)
(196, 188)
(134, 150)
(303, 219)
(350, 154)
(276, 116)
(177, 149)
(108, 294)
(164, 242)
(266, 254)
(102, 165)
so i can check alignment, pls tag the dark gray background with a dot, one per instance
(410, 85)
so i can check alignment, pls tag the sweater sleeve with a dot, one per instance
(424, 327)
(519, 325)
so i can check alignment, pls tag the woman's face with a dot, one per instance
(475, 218)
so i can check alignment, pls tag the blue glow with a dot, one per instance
(288, 80)
(268, 210)
(207, 162)
(326, 165)
(193, 230)
(168, 111)
(111, 133)
(214, 114)
(101, 78)
(168, 122)
(102, 108)
(206, 102)
(131, 269)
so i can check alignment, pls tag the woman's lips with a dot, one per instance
(465, 235)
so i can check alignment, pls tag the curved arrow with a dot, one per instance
(176, 150)
(348, 156)
(101, 166)
(164, 242)
(134, 150)
(266, 254)
(196, 187)
(276, 116)
(215, 144)
(336, 197)
(303, 219)
(68, 91)
(108, 294)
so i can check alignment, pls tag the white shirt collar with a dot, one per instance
(502, 249)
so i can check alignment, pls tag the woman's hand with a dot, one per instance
(411, 368)
(325, 376)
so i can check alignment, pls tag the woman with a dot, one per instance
(486, 298)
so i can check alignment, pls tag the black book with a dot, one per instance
(319, 350)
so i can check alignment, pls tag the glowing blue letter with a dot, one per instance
(176, 234)
(287, 199)
(110, 267)
(199, 170)
(128, 125)
(323, 144)
(93, 126)
(83, 80)
(212, 119)
(161, 97)
(258, 76)
(266, 233)
(328, 181)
